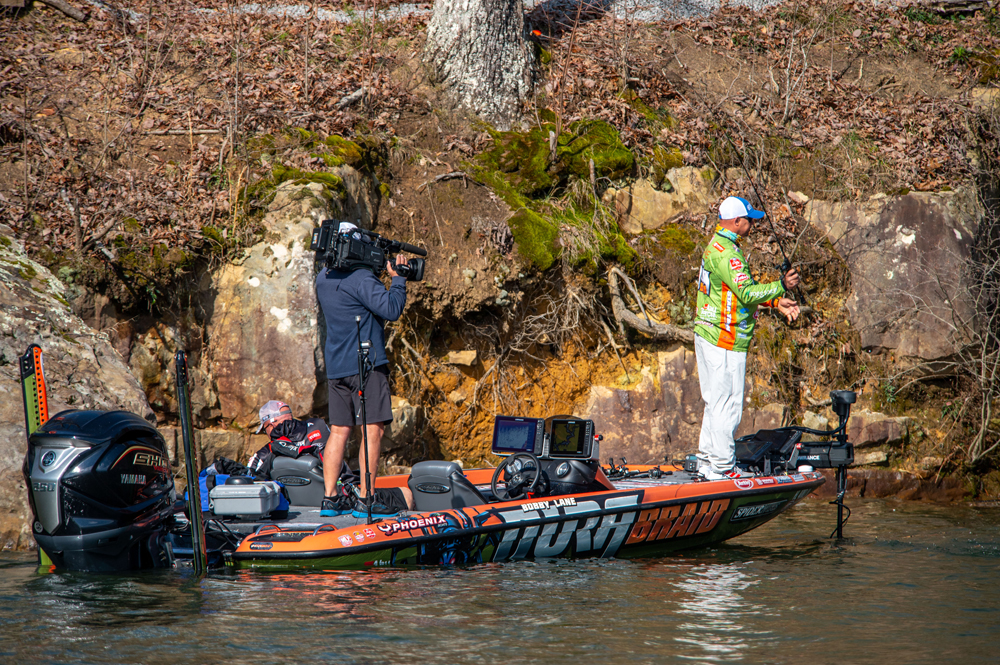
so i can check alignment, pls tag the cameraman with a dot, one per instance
(344, 295)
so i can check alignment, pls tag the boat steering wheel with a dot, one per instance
(518, 477)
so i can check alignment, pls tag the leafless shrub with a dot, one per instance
(980, 359)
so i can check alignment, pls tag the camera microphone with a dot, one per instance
(412, 249)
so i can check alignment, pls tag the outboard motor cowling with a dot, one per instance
(101, 491)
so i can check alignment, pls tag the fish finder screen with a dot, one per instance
(571, 438)
(517, 435)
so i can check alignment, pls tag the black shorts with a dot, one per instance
(391, 497)
(345, 404)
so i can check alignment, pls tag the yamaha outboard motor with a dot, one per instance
(101, 491)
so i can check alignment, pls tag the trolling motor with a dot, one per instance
(781, 449)
(830, 455)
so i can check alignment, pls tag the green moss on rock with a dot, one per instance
(615, 248)
(342, 151)
(535, 237)
(656, 120)
(26, 271)
(598, 141)
(672, 254)
(525, 158)
(521, 169)
(364, 153)
(259, 195)
(680, 240)
(660, 161)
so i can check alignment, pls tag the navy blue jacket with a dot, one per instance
(345, 295)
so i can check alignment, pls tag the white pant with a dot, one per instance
(721, 373)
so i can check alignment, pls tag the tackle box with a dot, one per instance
(250, 501)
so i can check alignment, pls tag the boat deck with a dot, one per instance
(303, 517)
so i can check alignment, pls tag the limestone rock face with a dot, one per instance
(152, 363)
(82, 371)
(660, 416)
(360, 205)
(814, 420)
(771, 416)
(403, 429)
(265, 331)
(870, 428)
(643, 207)
(907, 259)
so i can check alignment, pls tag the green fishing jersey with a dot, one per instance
(728, 295)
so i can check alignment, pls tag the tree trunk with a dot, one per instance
(66, 8)
(477, 53)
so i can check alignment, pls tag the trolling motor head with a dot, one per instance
(842, 401)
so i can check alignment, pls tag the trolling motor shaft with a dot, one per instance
(834, 455)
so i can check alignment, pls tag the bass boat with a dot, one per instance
(103, 497)
(551, 498)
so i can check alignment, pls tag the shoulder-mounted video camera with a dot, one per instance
(356, 248)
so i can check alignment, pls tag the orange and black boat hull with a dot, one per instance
(626, 522)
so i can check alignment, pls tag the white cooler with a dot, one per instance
(250, 501)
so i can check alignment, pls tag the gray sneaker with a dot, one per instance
(335, 505)
(379, 510)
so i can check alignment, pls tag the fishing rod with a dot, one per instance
(198, 545)
(786, 264)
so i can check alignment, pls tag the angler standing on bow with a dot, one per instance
(726, 312)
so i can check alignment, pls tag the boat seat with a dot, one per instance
(439, 485)
(302, 478)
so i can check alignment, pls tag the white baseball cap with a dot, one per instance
(273, 409)
(734, 207)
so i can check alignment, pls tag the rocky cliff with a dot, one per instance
(82, 369)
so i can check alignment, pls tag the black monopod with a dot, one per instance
(364, 370)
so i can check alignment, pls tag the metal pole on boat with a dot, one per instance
(362, 357)
(200, 556)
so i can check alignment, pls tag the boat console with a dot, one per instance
(544, 457)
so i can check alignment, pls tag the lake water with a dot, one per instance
(912, 584)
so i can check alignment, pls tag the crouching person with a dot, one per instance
(293, 438)
(287, 436)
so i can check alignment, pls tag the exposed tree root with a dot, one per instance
(658, 331)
